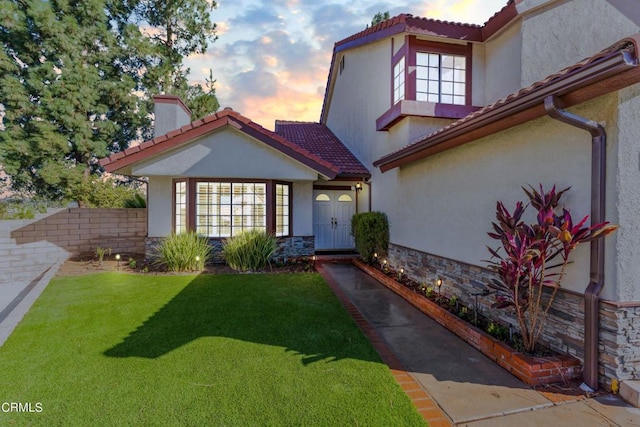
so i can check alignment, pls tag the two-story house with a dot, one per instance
(432, 123)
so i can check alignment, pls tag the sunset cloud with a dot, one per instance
(271, 60)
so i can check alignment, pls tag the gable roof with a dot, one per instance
(406, 23)
(321, 141)
(199, 128)
(611, 69)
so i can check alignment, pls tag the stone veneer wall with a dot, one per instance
(288, 247)
(619, 341)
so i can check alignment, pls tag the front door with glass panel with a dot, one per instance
(332, 212)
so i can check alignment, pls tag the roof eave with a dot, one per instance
(616, 72)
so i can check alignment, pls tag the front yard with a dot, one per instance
(120, 349)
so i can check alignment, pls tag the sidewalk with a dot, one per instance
(462, 386)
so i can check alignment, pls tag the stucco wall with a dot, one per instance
(502, 65)
(562, 33)
(628, 202)
(227, 153)
(169, 116)
(357, 102)
(445, 204)
(160, 205)
(302, 208)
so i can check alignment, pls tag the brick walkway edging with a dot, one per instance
(424, 403)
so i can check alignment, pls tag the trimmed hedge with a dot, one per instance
(371, 232)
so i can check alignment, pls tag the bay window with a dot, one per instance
(398, 81)
(226, 208)
(440, 78)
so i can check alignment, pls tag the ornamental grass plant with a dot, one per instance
(184, 252)
(250, 250)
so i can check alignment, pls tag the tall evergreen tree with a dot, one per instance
(71, 76)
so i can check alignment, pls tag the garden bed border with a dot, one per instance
(532, 370)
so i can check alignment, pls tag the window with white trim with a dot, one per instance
(398, 81)
(440, 78)
(282, 210)
(180, 192)
(226, 208)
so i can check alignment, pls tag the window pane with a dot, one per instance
(282, 209)
(433, 87)
(447, 75)
(459, 76)
(422, 59)
(420, 96)
(180, 208)
(434, 60)
(434, 74)
(446, 99)
(460, 62)
(458, 89)
(433, 98)
(446, 88)
(423, 85)
(459, 100)
(447, 61)
(219, 205)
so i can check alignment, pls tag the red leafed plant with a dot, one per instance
(534, 256)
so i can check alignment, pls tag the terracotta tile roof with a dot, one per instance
(429, 26)
(319, 140)
(208, 124)
(627, 47)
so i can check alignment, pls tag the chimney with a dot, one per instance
(170, 114)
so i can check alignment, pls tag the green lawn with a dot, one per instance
(117, 349)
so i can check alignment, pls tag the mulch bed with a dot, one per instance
(88, 263)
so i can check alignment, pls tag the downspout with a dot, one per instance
(596, 268)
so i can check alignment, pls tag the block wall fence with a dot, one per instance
(78, 230)
(28, 247)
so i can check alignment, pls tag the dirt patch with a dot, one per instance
(88, 263)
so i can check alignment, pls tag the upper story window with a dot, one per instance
(440, 78)
(428, 79)
(398, 81)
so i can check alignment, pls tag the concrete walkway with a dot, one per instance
(467, 388)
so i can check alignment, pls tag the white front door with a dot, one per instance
(332, 212)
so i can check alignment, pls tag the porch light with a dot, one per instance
(358, 186)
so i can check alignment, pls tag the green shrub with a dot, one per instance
(371, 233)
(21, 209)
(137, 201)
(184, 252)
(249, 251)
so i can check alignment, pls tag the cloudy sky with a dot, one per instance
(271, 59)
